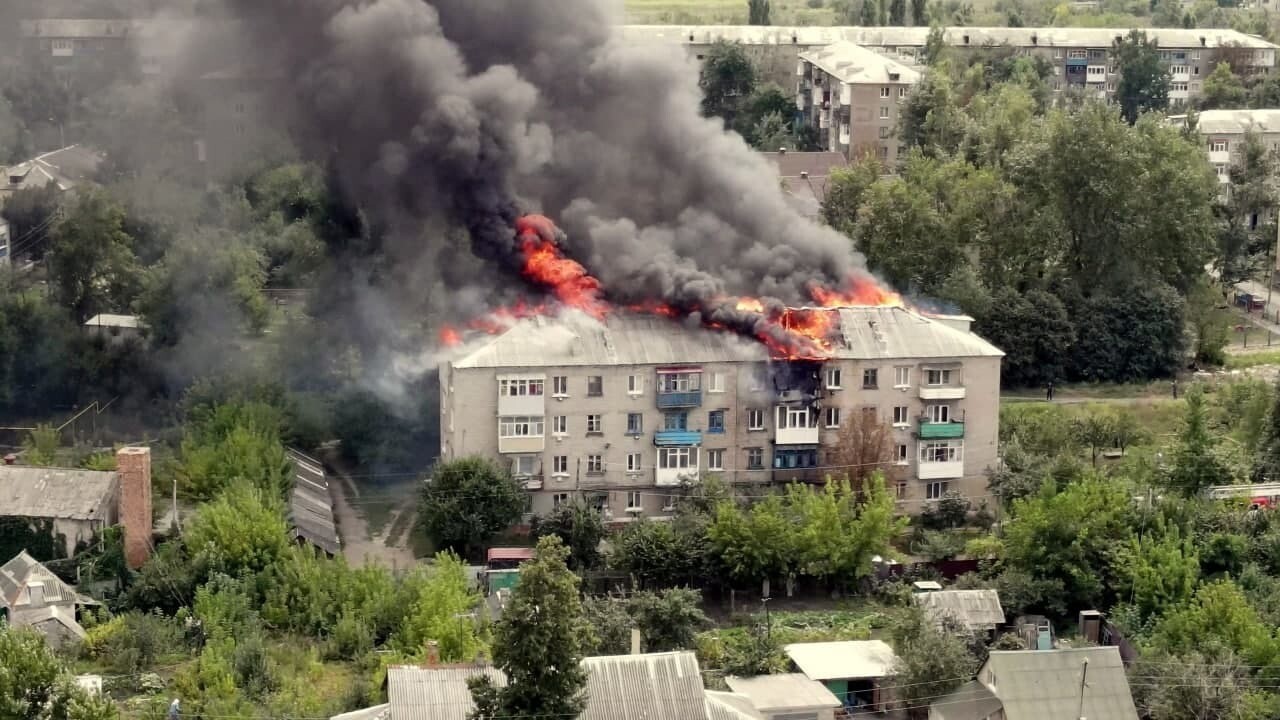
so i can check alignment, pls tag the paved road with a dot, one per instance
(357, 545)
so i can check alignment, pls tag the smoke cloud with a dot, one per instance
(475, 111)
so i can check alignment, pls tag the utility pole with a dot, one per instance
(768, 626)
(1084, 674)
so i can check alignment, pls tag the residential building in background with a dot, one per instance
(1078, 57)
(1223, 133)
(65, 169)
(32, 596)
(625, 411)
(850, 94)
(804, 176)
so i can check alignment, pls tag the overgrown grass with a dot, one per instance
(1239, 361)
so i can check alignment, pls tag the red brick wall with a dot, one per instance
(133, 466)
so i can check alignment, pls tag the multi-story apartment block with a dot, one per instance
(851, 95)
(626, 411)
(1079, 57)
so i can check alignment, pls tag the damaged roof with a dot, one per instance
(66, 168)
(311, 505)
(39, 492)
(574, 339)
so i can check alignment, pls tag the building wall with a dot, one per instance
(470, 416)
(855, 129)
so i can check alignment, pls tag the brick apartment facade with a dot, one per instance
(623, 413)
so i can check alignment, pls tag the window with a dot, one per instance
(1177, 87)
(884, 133)
(594, 425)
(884, 112)
(884, 92)
(715, 421)
(1221, 170)
(678, 458)
(1077, 54)
(679, 382)
(635, 423)
(1111, 69)
(595, 464)
(520, 387)
(522, 465)
(633, 462)
(715, 459)
(1097, 72)
(935, 490)
(1195, 54)
(560, 425)
(900, 453)
(715, 382)
(1057, 70)
(902, 376)
(560, 386)
(595, 386)
(635, 385)
(901, 415)
(793, 459)
(755, 458)
(870, 378)
(939, 413)
(792, 417)
(520, 426)
(560, 465)
(1111, 87)
(833, 378)
(633, 501)
(833, 417)
(902, 92)
(937, 377)
(940, 452)
(1179, 69)
(559, 499)
(675, 421)
(1218, 146)
(755, 419)
(900, 490)
(1057, 54)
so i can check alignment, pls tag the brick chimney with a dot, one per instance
(133, 467)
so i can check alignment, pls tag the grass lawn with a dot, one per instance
(1238, 361)
(724, 12)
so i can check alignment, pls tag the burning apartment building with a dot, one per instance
(625, 410)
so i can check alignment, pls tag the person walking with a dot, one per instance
(1175, 388)
(1049, 392)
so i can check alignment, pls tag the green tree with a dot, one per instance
(1222, 89)
(846, 189)
(580, 527)
(1070, 537)
(241, 530)
(467, 502)
(30, 212)
(538, 644)
(1020, 473)
(839, 529)
(661, 554)
(755, 544)
(1266, 465)
(868, 14)
(668, 619)
(1211, 682)
(930, 663)
(931, 118)
(728, 78)
(91, 263)
(610, 626)
(211, 462)
(1161, 569)
(898, 12)
(34, 685)
(1096, 430)
(1144, 79)
(758, 12)
(767, 101)
(444, 611)
(1218, 611)
(1036, 333)
(1195, 464)
(919, 12)
(41, 446)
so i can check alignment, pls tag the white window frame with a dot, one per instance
(755, 419)
(521, 426)
(833, 417)
(715, 459)
(937, 377)
(560, 466)
(595, 423)
(680, 382)
(521, 387)
(884, 91)
(941, 451)
(634, 463)
(639, 428)
(901, 415)
(678, 458)
(634, 502)
(559, 499)
(1219, 146)
(834, 376)
(884, 112)
(518, 460)
(759, 452)
(601, 386)
(715, 382)
(902, 376)
(935, 490)
(902, 454)
(1077, 54)
(795, 418)
(560, 425)
(560, 386)
(1195, 54)
(635, 384)
(939, 413)
(595, 464)
(902, 92)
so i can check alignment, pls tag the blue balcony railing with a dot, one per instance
(691, 398)
(677, 438)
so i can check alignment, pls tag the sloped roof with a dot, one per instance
(851, 63)
(970, 701)
(437, 693)
(377, 712)
(38, 492)
(1238, 122)
(49, 613)
(729, 706)
(1036, 684)
(843, 660)
(115, 321)
(974, 609)
(769, 693)
(17, 575)
(66, 168)
(917, 36)
(311, 505)
(572, 339)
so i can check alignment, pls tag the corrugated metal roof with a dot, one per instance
(1168, 38)
(572, 339)
(789, 691)
(1037, 684)
(970, 701)
(38, 492)
(852, 63)
(1237, 122)
(653, 686)
(975, 609)
(110, 320)
(844, 660)
(729, 706)
(311, 505)
(509, 553)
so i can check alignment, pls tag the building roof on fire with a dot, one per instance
(851, 63)
(574, 339)
(39, 492)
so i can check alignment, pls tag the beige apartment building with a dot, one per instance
(627, 411)
(1224, 132)
(851, 95)
(1079, 57)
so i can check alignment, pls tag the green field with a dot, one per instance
(724, 12)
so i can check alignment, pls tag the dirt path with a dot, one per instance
(357, 545)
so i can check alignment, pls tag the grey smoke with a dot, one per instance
(478, 110)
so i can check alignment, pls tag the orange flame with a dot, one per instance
(546, 265)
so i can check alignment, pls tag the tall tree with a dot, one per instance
(34, 685)
(91, 262)
(466, 502)
(1266, 466)
(1144, 79)
(441, 611)
(919, 12)
(580, 527)
(728, 77)
(1222, 89)
(898, 12)
(930, 663)
(1161, 569)
(864, 447)
(1196, 465)
(868, 15)
(538, 644)
(758, 12)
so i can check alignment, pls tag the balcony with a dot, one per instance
(940, 470)
(528, 444)
(1219, 157)
(1077, 62)
(803, 475)
(941, 392)
(797, 436)
(686, 399)
(530, 482)
(685, 438)
(940, 430)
